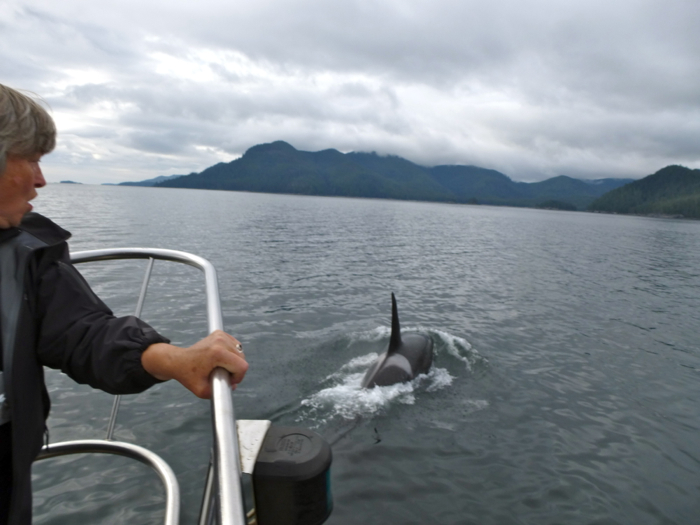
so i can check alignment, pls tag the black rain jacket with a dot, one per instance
(62, 324)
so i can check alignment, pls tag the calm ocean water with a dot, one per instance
(565, 386)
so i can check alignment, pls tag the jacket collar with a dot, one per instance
(40, 227)
(8, 233)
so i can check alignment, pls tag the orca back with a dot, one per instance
(407, 356)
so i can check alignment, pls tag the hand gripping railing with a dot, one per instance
(227, 473)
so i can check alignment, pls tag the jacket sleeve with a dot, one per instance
(79, 335)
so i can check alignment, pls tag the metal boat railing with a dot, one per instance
(101, 446)
(223, 495)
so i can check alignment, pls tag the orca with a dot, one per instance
(406, 357)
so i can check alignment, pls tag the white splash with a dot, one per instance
(348, 400)
(458, 347)
(361, 363)
(343, 395)
(439, 378)
(371, 336)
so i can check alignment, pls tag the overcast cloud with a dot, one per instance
(532, 88)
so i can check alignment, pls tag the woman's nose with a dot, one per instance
(39, 180)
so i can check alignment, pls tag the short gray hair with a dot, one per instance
(26, 128)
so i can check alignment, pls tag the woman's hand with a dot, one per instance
(193, 366)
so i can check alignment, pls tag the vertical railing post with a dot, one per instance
(137, 313)
(230, 507)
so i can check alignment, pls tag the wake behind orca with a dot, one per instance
(406, 357)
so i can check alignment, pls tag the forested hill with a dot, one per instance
(280, 168)
(674, 190)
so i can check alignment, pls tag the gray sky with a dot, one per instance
(532, 88)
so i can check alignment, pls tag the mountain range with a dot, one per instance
(278, 167)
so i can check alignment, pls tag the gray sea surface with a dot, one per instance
(566, 380)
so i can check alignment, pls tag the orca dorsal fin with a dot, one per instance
(395, 341)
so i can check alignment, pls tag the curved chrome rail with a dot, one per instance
(227, 474)
(99, 446)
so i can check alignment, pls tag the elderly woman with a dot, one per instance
(50, 317)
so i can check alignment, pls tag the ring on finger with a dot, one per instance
(239, 347)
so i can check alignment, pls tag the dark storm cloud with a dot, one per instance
(534, 88)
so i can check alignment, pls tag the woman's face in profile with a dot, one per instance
(18, 184)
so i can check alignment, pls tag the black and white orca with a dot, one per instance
(407, 356)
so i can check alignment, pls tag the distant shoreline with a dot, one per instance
(651, 215)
